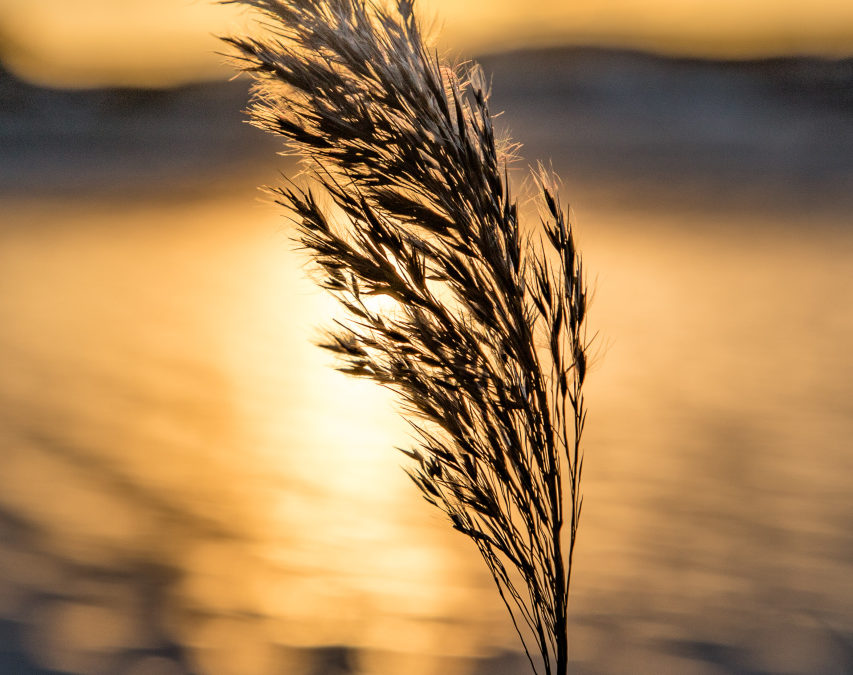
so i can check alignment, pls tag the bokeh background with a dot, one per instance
(187, 487)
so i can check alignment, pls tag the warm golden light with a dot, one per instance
(187, 486)
(265, 479)
(101, 42)
(162, 42)
(715, 28)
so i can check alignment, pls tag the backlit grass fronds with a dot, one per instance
(485, 344)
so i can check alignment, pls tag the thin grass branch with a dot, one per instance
(486, 344)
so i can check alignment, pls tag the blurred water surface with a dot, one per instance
(186, 487)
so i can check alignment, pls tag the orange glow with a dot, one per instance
(162, 42)
(102, 42)
(705, 27)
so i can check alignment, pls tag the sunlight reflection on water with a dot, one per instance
(187, 486)
(165, 407)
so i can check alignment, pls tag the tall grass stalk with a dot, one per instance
(486, 344)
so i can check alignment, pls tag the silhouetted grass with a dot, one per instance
(486, 342)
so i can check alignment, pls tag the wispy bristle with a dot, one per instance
(486, 345)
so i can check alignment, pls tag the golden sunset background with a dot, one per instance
(92, 42)
(186, 486)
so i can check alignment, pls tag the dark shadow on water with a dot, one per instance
(503, 664)
(333, 661)
(736, 660)
(13, 658)
(731, 659)
(22, 633)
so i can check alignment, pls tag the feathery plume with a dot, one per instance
(486, 343)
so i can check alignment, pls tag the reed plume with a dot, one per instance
(486, 343)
